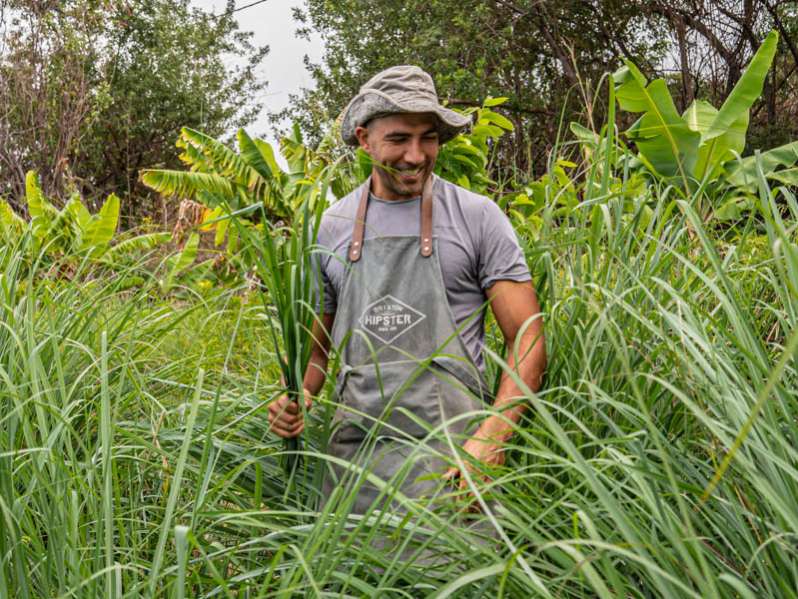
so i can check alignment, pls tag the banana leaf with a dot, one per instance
(747, 90)
(700, 116)
(98, 231)
(743, 173)
(666, 144)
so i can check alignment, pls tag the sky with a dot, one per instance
(273, 25)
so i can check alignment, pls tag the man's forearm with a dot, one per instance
(315, 373)
(529, 364)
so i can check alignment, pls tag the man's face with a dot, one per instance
(404, 148)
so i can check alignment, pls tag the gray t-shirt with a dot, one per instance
(476, 243)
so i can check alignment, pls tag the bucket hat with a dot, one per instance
(396, 90)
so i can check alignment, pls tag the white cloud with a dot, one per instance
(273, 25)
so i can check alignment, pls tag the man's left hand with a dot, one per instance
(487, 453)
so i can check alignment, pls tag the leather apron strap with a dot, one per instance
(358, 232)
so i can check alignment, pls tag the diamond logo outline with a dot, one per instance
(388, 298)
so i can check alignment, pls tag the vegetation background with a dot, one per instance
(95, 91)
(645, 153)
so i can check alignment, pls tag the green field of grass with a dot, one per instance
(659, 460)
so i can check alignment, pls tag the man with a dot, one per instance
(412, 261)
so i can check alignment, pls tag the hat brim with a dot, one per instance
(370, 104)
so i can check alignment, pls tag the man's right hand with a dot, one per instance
(286, 417)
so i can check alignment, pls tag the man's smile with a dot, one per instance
(408, 175)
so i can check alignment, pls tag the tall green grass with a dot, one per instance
(658, 460)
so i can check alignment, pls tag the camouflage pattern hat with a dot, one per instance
(398, 90)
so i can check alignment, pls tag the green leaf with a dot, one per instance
(11, 224)
(41, 211)
(488, 131)
(79, 212)
(732, 209)
(99, 231)
(259, 155)
(222, 159)
(468, 161)
(787, 176)
(139, 243)
(747, 90)
(267, 152)
(221, 230)
(232, 240)
(700, 115)
(465, 147)
(488, 116)
(34, 196)
(293, 149)
(664, 139)
(583, 134)
(712, 153)
(188, 184)
(742, 173)
(490, 102)
(187, 256)
(181, 261)
(451, 588)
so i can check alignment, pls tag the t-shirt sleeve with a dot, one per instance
(500, 256)
(321, 280)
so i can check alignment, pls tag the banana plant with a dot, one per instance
(328, 160)
(12, 224)
(702, 146)
(248, 185)
(180, 262)
(72, 230)
(251, 177)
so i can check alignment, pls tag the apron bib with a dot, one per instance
(404, 368)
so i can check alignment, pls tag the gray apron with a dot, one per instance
(404, 369)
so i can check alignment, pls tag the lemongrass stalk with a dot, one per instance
(284, 261)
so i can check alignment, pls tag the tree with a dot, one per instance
(547, 57)
(712, 41)
(48, 63)
(135, 72)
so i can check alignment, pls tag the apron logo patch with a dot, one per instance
(388, 318)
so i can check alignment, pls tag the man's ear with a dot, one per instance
(362, 135)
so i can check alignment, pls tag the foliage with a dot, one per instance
(701, 148)
(49, 60)
(549, 57)
(246, 192)
(284, 260)
(465, 160)
(72, 230)
(75, 244)
(711, 42)
(535, 54)
(180, 262)
(94, 91)
(691, 148)
(656, 460)
(247, 181)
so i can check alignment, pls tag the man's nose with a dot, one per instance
(414, 153)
